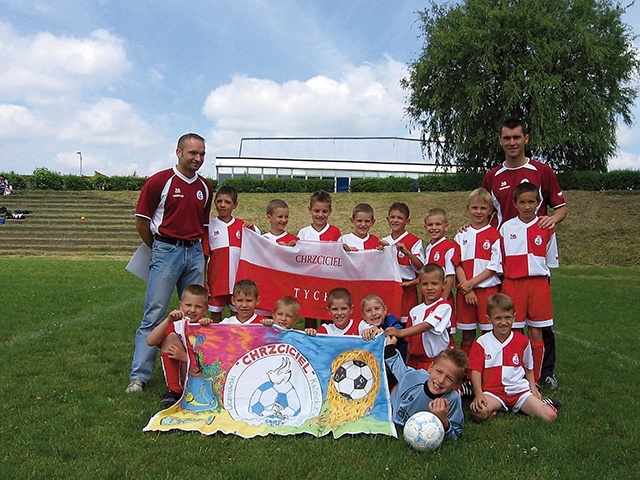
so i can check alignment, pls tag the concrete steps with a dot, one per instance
(54, 226)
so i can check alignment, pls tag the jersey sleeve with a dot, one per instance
(551, 257)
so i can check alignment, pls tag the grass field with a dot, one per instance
(65, 354)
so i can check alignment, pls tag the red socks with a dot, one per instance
(537, 348)
(171, 369)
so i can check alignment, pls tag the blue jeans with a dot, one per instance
(171, 267)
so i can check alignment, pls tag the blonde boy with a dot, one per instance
(278, 216)
(427, 327)
(170, 335)
(440, 250)
(501, 364)
(286, 314)
(478, 264)
(362, 220)
(320, 230)
(245, 299)
(410, 254)
(340, 308)
(375, 318)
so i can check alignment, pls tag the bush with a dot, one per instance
(247, 184)
(581, 180)
(311, 185)
(75, 182)
(45, 179)
(131, 182)
(622, 180)
(450, 182)
(389, 184)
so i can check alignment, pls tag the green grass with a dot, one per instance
(65, 354)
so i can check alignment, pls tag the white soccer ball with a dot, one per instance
(353, 379)
(423, 431)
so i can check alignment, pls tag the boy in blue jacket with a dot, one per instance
(430, 390)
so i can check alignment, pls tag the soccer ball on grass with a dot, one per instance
(423, 431)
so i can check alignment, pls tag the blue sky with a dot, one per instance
(121, 81)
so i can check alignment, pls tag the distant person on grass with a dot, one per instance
(500, 183)
(172, 212)
(170, 336)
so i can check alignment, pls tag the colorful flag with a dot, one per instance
(255, 380)
(309, 270)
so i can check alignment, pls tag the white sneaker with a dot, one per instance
(135, 386)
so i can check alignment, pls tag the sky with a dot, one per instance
(120, 81)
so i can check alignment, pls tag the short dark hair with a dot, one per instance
(227, 190)
(401, 207)
(433, 268)
(320, 196)
(362, 208)
(276, 203)
(188, 136)
(514, 122)
(196, 290)
(525, 187)
(339, 294)
(246, 287)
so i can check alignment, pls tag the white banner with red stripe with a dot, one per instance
(309, 270)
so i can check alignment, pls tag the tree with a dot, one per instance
(563, 66)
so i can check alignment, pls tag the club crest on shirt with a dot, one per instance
(515, 359)
(538, 240)
(436, 257)
(486, 245)
(238, 234)
(200, 195)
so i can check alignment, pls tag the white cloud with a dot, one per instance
(110, 121)
(625, 161)
(16, 121)
(366, 100)
(44, 67)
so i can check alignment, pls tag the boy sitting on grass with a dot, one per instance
(501, 364)
(431, 390)
(170, 335)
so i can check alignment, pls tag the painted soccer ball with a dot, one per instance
(423, 431)
(275, 400)
(353, 379)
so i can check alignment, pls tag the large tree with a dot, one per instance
(566, 67)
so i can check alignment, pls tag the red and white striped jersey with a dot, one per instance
(282, 239)
(329, 233)
(436, 339)
(501, 181)
(480, 250)
(502, 364)
(331, 329)
(368, 243)
(527, 249)
(222, 246)
(441, 253)
(414, 245)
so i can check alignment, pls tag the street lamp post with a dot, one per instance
(80, 154)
